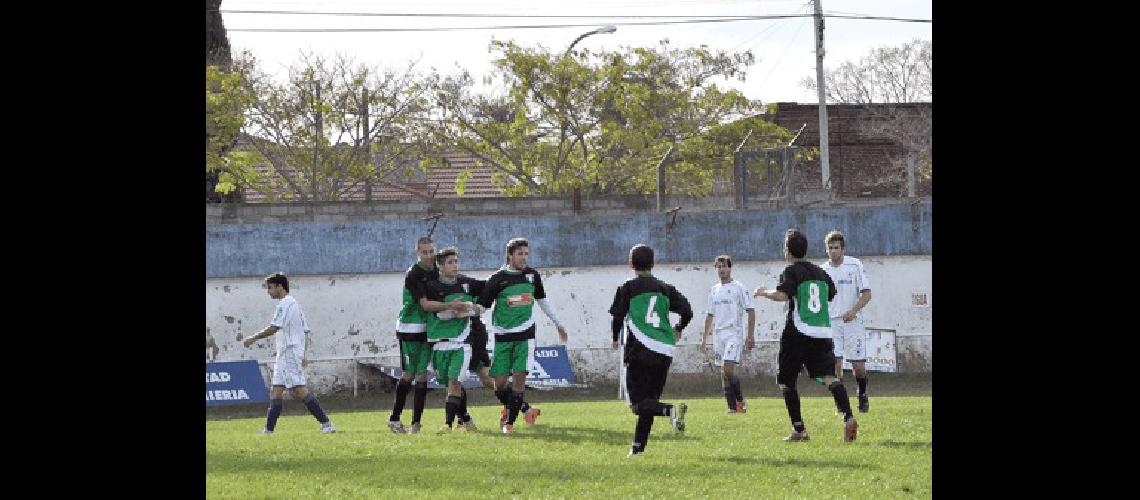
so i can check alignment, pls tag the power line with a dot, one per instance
(537, 26)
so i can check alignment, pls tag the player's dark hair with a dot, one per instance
(278, 279)
(514, 244)
(835, 235)
(641, 256)
(796, 243)
(442, 255)
(723, 258)
(424, 240)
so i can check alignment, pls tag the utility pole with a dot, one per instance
(367, 145)
(824, 156)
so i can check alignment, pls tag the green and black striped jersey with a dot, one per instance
(412, 322)
(513, 294)
(809, 288)
(456, 329)
(643, 304)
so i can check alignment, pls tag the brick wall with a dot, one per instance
(860, 166)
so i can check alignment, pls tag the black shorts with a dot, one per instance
(645, 381)
(478, 340)
(817, 355)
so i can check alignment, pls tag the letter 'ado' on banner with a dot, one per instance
(234, 382)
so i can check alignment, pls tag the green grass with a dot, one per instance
(579, 449)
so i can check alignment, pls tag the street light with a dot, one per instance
(609, 28)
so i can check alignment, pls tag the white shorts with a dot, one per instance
(850, 339)
(287, 370)
(728, 347)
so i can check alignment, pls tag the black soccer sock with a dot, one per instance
(402, 388)
(419, 397)
(315, 408)
(516, 405)
(504, 396)
(730, 397)
(525, 407)
(275, 406)
(463, 415)
(641, 432)
(451, 408)
(792, 401)
(839, 392)
(736, 389)
(862, 385)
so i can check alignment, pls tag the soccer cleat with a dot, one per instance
(741, 407)
(508, 428)
(633, 453)
(532, 415)
(266, 432)
(414, 428)
(679, 417)
(397, 427)
(798, 436)
(732, 411)
(469, 425)
(444, 429)
(328, 428)
(503, 417)
(864, 403)
(850, 428)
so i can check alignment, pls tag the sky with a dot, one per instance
(784, 48)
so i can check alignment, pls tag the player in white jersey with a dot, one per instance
(853, 292)
(288, 370)
(728, 300)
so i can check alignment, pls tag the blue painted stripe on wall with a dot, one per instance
(377, 246)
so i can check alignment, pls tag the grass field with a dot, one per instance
(579, 449)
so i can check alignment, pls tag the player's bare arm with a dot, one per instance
(429, 305)
(864, 298)
(750, 341)
(267, 332)
(775, 295)
(705, 333)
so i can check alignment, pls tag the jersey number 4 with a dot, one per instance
(651, 316)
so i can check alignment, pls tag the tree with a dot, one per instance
(883, 81)
(598, 122)
(333, 128)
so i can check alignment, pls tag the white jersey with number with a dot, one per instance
(727, 302)
(850, 279)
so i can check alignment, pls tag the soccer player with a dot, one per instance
(288, 371)
(448, 330)
(806, 339)
(513, 291)
(727, 300)
(411, 333)
(643, 304)
(853, 292)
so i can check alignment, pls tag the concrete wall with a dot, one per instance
(310, 245)
(355, 314)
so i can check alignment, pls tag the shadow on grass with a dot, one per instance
(906, 444)
(793, 462)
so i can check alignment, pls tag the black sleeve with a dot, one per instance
(539, 290)
(414, 285)
(788, 283)
(429, 291)
(476, 287)
(618, 309)
(680, 305)
(830, 287)
(487, 295)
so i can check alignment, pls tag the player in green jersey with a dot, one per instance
(643, 304)
(806, 339)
